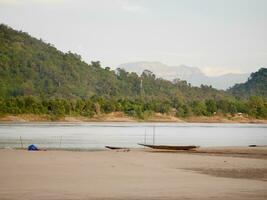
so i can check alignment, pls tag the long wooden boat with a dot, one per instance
(169, 147)
(113, 148)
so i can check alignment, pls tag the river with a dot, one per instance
(97, 135)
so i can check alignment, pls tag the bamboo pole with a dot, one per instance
(60, 141)
(21, 144)
(153, 135)
(145, 137)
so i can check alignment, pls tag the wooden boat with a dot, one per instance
(254, 145)
(169, 147)
(113, 148)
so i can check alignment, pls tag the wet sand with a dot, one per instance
(137, 174)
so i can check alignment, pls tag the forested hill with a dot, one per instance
(36, 78)
(31, 67)
(255, 86)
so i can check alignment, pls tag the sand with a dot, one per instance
(121, 117)
(137, 174)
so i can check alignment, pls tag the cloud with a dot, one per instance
(20, 2)
(132, 8)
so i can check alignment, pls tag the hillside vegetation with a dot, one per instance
(31, 67)
(37, 78)
(255, 86)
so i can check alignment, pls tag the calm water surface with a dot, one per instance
(97, 135)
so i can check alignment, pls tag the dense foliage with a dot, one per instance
(37, 78)
(256, 85)
(254, 106)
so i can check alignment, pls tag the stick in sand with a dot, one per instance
(21, 142)
(145, 138)
(60, 141)
(153, 135)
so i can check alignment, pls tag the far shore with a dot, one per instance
(119, 117)
(233, 173)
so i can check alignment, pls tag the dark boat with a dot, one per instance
(113, 148)
(169, 147)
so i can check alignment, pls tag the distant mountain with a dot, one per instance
(256, 85)
(227, 80)
(192, 75)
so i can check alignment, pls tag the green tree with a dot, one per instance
(211, 106)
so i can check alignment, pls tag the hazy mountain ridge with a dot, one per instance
(192, 75)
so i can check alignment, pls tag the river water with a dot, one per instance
(97, 135)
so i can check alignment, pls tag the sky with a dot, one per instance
(218, 36)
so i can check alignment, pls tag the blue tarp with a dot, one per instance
(32, 147)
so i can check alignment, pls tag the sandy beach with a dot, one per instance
(120, 117)
(239, 173)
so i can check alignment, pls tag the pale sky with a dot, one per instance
(218, 36)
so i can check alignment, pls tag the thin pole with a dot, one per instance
(21, 142)
(145, 137)
(60, 141)
(153, 134)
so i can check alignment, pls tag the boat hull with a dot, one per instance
(113, 148)
(169, 147)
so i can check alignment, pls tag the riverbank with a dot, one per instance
(137, 174)
(120, 117)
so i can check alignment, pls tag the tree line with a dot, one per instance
(139, 108)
